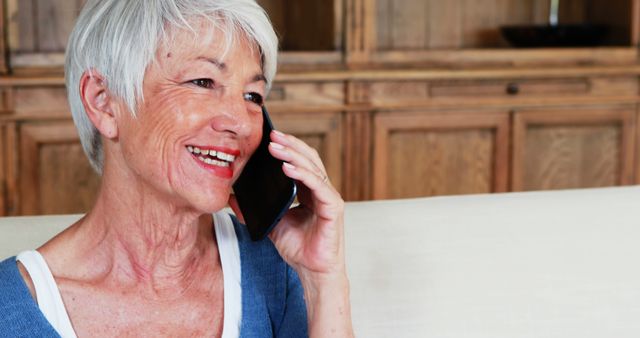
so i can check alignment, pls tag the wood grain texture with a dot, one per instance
(435, 24)
(305, 24)
(12, 194)
(55, 19)
(3, 47)
(357, 148)
(573, 148)
(424, 155)
(310, 93)
(44, 100)
(55, 175)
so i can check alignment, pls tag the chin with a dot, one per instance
(210, 204)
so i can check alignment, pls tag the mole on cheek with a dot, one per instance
(168, 55)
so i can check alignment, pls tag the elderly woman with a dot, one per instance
(148, 82)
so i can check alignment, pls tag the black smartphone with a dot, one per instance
(264, 193)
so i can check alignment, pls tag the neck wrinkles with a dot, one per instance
(149, 241)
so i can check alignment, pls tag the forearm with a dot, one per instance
(328, 306)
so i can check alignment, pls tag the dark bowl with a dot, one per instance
(578, 35)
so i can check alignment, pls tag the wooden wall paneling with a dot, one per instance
(21, 33)
(445, 28)
(55, 175)
(277, 14)
(12, 195)
(55, 20)
(358, 143)
(323, 132)
(360, 31)
(576, 147)
(358, 147)
(3, 44)
(41, 101)
(480, 24)
(3, 177)
(6, 100)
(635, 22)
(418, 154)
(307, 93)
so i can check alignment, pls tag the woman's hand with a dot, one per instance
(310, 238)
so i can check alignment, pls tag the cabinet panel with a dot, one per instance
(322, 131)
(454, 153)
(306, 25)
(41, 100)
(573, 148)
(398, 92)
(411, 25)
(307, 93)
(55, 175)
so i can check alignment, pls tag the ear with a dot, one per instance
(98, 103)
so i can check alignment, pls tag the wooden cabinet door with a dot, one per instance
(573, 148)
(54, 174)
(417, 154)
(323, 132)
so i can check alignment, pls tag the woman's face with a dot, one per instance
(200, 120)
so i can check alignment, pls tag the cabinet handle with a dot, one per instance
(513, 88)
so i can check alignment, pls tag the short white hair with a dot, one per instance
(119, 39)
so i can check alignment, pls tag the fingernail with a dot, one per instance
(276, 145)
(277, 132)
(289, 165)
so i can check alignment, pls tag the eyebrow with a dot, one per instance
(259, 77)
(223, 67)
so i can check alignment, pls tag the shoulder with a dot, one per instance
(19, 313)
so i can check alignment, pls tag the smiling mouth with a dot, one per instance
(212, 157)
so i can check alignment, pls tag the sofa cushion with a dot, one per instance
(542, 264)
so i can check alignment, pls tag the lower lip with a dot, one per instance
(223, 172)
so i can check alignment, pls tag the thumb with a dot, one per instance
(233, 203)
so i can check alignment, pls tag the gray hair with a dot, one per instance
(119, 39)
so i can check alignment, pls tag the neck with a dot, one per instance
(140, 239)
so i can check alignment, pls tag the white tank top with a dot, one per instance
(52, 306)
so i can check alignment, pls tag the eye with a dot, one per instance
(254, 97)
(204, 83)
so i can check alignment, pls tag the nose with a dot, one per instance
(232, 116)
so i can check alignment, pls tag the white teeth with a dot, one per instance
(224, 158)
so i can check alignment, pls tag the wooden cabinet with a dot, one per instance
(573, 147)
(401, 98)
(440, 153)
(55, 176)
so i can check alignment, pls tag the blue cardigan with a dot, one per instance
(272, 296)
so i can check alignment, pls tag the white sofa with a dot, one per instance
(542, 264)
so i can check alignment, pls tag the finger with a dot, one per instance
(326, 197)
(300, 146)
(233, 203)
(296, 159)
